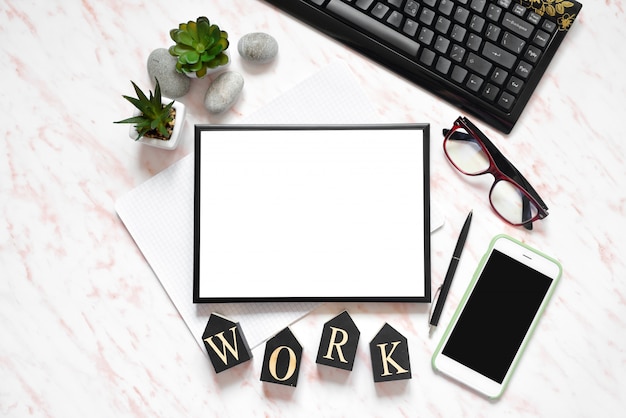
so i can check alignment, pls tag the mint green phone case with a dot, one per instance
(470, 287)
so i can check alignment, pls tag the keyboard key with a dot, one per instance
(533, 18)
(532, 54)
(373, 26)
(380, 10)
(474, 83)
(499, 76)
(541, 38)
(506, 101)
(364, 4)
(499, 55)
(396, 3)
(548, 25)
(519, 10)
(477, 23)
(504, 3)
(523, 69)
(478, 64)
(395, 19)
(490, 92)
(427, 57)
(457, 53)
(461, 15)
(427, 16)
(478, 5)
(443, 65)
(493, 32)
(494, 12)
(411, 8)
(442, 24)
(445, 7)
(515, 85)
(459, 74)
(458, 33)
(517, 25)
(410, 27)
(442, 44)
(474, 42)
(426, 36)
(512, 43)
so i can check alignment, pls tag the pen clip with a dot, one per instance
(434, 303)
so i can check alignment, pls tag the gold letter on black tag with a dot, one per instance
(390, 355)
(281, 363)
(339, 341)
(225, 343)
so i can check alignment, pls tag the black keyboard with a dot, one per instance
(484, 56)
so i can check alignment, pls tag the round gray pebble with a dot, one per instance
(162, 65)
(258, 47)
(223, 92)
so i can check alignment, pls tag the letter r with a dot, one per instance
(337, 345)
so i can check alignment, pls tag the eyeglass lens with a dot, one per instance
(471, 158)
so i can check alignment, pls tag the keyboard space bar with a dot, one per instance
(373, 26)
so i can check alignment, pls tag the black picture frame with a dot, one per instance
(228, 289)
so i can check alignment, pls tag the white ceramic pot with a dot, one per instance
(174, 140)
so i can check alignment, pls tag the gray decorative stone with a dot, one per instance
(258, 47)
(162, 65)
(223, 92)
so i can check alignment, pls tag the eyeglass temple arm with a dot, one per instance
(526, 212)
(502, 162)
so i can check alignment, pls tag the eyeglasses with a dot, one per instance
(511, 196)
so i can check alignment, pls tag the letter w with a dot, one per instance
(225, 345)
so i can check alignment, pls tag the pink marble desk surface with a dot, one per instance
(87, 330)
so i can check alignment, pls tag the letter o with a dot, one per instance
(274, 359)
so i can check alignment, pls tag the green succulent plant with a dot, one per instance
(154, 116)
(199, 46)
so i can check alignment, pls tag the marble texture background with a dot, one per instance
(86, 328)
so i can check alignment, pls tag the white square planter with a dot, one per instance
(174, 140)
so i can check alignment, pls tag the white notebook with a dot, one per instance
(163, 228)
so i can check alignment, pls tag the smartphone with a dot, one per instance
(497, 315)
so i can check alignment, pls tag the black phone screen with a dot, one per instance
(497, 316)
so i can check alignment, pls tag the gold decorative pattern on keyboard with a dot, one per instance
(565, 11)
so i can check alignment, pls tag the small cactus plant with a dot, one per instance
(156, 119)
(199, 46)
